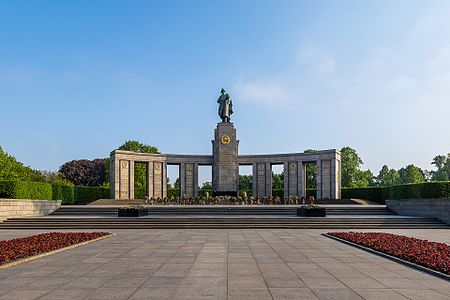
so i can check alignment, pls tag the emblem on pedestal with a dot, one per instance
(225, 139)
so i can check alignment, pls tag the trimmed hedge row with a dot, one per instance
(426, 190)
(44, 190)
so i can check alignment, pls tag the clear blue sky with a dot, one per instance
(78, 78)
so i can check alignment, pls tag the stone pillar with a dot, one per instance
(164, 180)
(268, 191)
(335, 179)
(195, 177)
(124, 179)
(149, 189)
(326, 179)
(183, 180)
(225, 164)
(286, 179)
(114, 166)
(131, 187)
(292, 179)
(319, 179)
(255, 180)
(301, 179)
(158, 191)
(260, 180)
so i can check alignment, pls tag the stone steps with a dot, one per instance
(218, 222)
(217, 210)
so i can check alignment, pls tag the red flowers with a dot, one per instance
(432, 255)
(11, 250)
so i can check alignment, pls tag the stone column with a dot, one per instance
(131, 196)
(189, 179)
(335, 176)
(225, 165)
(326, 179)
(124, 179)
(195, 177)
(255, 180)
(301, 179)
(292, 179)
(149, 179)
(268, 180)
(164, 180)
(286, 179)
(183, 180)
(157, 179)
(319, 179)
(114, 167)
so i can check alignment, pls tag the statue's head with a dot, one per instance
(222, 91)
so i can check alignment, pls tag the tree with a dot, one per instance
(136, 146)
(388, 176)
(411, 174)
(140, 170)
(245, 182)
(278, 181)
(311, 172)
(442, 164)
(363, 178)
(85, 172)
(350, 162)
(11, 169)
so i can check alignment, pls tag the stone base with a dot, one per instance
(311, 212)
(132, 212)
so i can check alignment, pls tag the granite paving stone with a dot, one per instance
(220, 264)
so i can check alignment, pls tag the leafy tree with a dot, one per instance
(442, 164)
(84, 172)
(55, 177)
(137, 146)
(11, 169)
(363, 178)
(177, 183)
(311, 172)
(277, 181)
(245, 182)
(350, 162)
(411, 174)
(140, 170)
(388, 176)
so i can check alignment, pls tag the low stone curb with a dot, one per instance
(393, 258)
(27, 259)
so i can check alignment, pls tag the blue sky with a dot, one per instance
(78, 78)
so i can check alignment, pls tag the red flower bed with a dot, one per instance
(432, 255)
(11, 250)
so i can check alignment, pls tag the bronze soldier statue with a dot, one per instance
(225, 106)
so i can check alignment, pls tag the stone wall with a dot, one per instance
(13, 208)
(435, 208)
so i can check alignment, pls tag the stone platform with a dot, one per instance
(220, 264)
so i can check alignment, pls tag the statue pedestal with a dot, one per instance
(225, 169)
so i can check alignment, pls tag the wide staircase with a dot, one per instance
(220, 217)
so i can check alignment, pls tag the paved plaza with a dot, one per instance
(219, 264)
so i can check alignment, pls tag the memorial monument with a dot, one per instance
(225, 161)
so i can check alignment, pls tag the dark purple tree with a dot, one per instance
(85, 172)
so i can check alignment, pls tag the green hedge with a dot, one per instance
(47, 191)
(405, 191)
(25, 190)
(374, 194)
(86, 194)
(439, 189)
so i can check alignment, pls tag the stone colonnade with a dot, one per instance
(328, 164)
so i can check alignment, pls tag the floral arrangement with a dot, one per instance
(16, 249)
(432, 255)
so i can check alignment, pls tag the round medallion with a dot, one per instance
(225, 139)
(124, 164)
